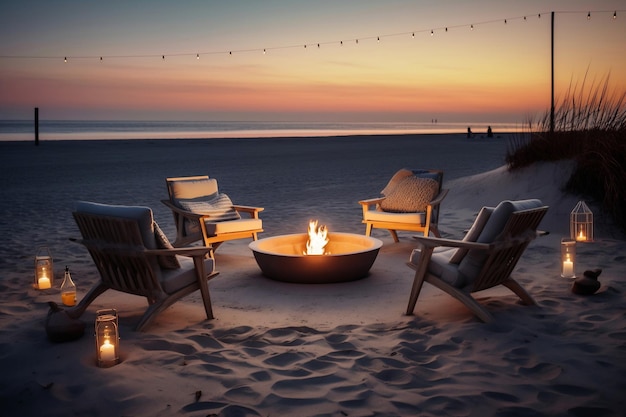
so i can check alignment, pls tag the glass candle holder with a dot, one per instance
(107, 338)
(568, 258)
(44, 270)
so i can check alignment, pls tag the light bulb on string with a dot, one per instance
(539, 15)
(378, 39)
(163, 57)
(524, 18)
(263, 51)
(471, 27)
(413, 35)
(431, 32)
(197, 56)
(615, 14)
(100, 59)
(505, 21)
(318, 45)
(64, 59)
(589, 16)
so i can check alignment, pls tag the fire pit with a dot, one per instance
(343, 257)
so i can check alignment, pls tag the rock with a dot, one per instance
(587, 284)
(60, 327)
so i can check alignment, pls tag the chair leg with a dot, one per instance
(94, 292)
(204, 286)
(418, 280)
(463, 297)
(514, 286)
(368, 229)
(394, 235)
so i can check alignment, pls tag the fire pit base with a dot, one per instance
(349, 257)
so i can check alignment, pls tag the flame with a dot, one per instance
(318, 238)
(581, 236)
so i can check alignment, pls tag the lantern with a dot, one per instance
(581, 223)
(568, 258)
(44, 272)
(107, 338)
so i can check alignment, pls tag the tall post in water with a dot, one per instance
(552, 73)
(36, 126)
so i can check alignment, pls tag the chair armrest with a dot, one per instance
(253, 211)
(371, 201)
(188, 251)
(434, 242)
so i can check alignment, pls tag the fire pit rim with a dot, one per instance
(254, 245)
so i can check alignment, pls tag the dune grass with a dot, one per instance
(590, 128)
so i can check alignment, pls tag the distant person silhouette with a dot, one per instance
(469, 132)
(489, 132)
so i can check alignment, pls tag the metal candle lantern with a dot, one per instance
(568, 258)
(107, 338)
(581, 223)
(44, 272)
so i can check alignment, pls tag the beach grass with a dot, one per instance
(590, 128)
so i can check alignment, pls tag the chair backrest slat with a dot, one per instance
(517, 234)
(116, 246)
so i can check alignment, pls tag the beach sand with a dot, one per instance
(279, 349)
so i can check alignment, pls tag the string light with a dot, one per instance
(264, 50)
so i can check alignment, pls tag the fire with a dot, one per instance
(318, 238)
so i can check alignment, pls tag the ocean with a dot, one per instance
(24, 130)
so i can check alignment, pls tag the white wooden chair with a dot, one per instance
(484, 259)
(410, 202)
(133, 256)
(202, 213)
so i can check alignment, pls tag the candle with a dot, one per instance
(107, 351)
(568, 268)
(581, 236)
(44, 283)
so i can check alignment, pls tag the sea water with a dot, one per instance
(24, 130)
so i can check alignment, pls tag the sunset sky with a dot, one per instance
(397, 71)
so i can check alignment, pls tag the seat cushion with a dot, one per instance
(143, 216)
(190, 189)
(472, 263)
(440, 265)
(174, 280)
(412, 194)
(383, 216)
(240, 225)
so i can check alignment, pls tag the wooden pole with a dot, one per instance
(552, 73)
(36, 126)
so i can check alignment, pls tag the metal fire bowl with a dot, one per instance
(349, 257)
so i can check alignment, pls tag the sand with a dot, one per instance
(278, 349)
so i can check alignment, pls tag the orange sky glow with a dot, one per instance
(496, 71)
